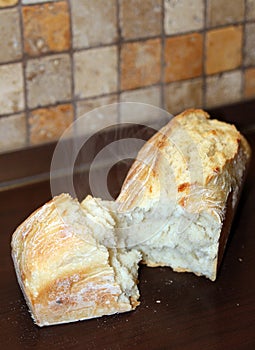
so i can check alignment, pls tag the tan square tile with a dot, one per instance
(95, 71)
(250, 12)
(48, 124)
(10, 35)
(183, 94)
(183, 57)
(249, 54)
(98, 119)
(46, 28)
(11, 88)
(140, 64)
(223, 49)
(224, 12)
(224, 88)
(139, 114)
(249, 80)
(93, 22)
(86, 106)
(12, 132)
(183, 16)
(48, 80)
(140, 18)
(151, 95)
(5, 3)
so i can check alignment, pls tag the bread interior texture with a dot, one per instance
(76, 261)
(65, 272)
(181, 193)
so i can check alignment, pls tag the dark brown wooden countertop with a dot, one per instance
(177, 311)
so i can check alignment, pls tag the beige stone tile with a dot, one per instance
(223, 49)
(5, 3)
(11, 88)
(103, 113)
(95, 71)
(48, 124)
(183, 16)
(224, 88)
(183, 57)
(93, 22)
(139, 114)
(140, 64)
(249, 50)
(151, 95)
(182, 95)
(224, 12)
(48, 80)
(46, 28)
(249, 81)
(140, 18)
(10, 42)
(12, 132)
(85, 106)
(250, 13)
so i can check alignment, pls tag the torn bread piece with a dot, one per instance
(65, 272)
(190, 175)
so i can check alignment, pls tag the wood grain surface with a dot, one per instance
(177, 311)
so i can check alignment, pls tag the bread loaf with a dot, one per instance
(77, 261)
(190, 174)
(64, 271)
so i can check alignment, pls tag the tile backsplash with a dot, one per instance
(60, 59)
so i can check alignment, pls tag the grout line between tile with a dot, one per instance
(23, 61)
(119, 48)
(71, 55)
(243, 51)
(204, 57)
(79, 99)
(162, 78)
(118, 58)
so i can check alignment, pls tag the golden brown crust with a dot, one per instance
(204, 160)
(64, 273)
(215, 147)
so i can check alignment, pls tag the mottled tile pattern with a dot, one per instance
(183, 94)
(183, 57)
(250, 12)
(60, 59)
(48, 124)
(225, 12)
(183, 16)
(93, 22)
(48, 80)
(141, 113)
(12, 132)
(103, 113)
(151, 95)
(223, 89)
(46, 28)
(10, 42)
(140, 64)
(140, 18)
(249, 54)
(11, 88)
(223, 49)
(5, 3)
(95, 71)
(85, 106)
(249, 80)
